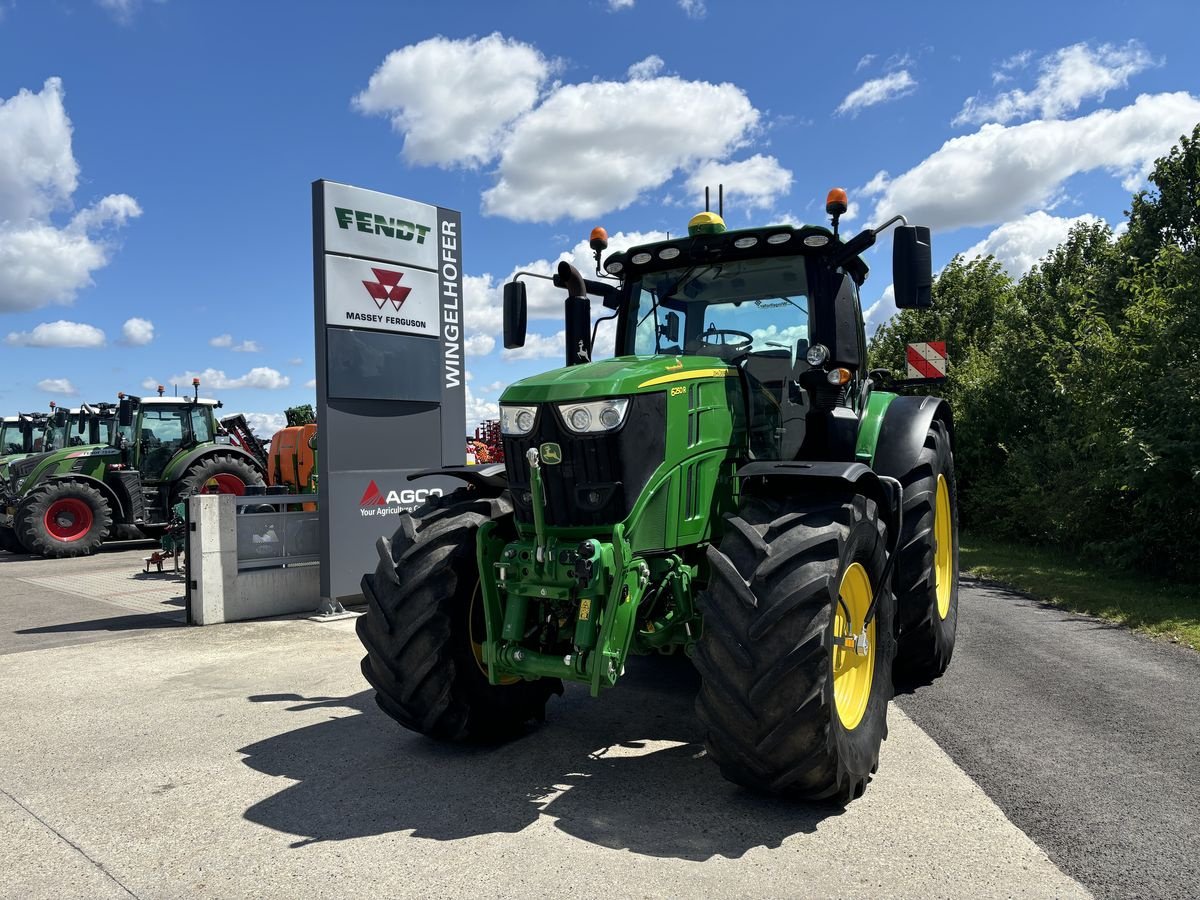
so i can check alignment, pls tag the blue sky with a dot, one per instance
(156, 155)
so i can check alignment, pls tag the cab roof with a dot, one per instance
(177, 401)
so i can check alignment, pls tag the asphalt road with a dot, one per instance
(1085, 734)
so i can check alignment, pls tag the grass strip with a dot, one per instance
(1154, 606)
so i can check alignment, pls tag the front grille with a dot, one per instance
(601, 475)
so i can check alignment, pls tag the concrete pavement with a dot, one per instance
(250, 760)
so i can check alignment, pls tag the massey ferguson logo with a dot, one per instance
(387, 287)
(375, 502)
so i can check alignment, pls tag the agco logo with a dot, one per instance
(375, 502)
(387, 287)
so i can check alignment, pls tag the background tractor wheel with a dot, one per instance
(220, 473)
(9, 542)
(927, 563)
(788, 707)
(61, 519)
(424, 628)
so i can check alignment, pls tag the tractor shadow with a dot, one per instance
(626, 772)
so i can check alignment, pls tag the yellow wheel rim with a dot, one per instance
(853, 665)
(477, 646)
(943, 548)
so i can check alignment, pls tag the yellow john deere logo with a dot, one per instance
(550, 453)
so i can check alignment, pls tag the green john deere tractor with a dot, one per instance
(143, 455)
(733, 483)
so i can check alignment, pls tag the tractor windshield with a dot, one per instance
(11, 439)
(756, 306)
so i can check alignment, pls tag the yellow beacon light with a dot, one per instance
(705, 223)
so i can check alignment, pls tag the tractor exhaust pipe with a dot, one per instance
(577, 315)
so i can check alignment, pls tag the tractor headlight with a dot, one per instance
(599, 415)
(817, 354)
(517, 420)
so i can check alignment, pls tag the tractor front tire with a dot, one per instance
(63, 519)
(220, 473)
(424, 626)
(927, 563)
(788, 707)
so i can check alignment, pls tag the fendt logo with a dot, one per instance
(387, 287)
(375, 502)
(384, 226)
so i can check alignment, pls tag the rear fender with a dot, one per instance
(902, 435)
(774, 477)
(181, 464)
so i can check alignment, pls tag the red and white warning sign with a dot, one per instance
(926, 359)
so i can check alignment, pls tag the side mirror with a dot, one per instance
(60, 418)
(516, 308)
(125, 414)
(912, 267)
(670, 328)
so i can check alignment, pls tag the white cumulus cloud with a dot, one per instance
(261, 377)
(694, 9)
(265, 424)
(540, 346)
(57, 386)
(479, 344)
(1067, 78)
(1020, 244)
(451, 99)
(758, 181)
(892, 86)
(221, 340)
(1002, 172)
(58, 334)
(41, 261)
(483, 309)
(646, 68)
(137, 332)
(479, 410)
(592, 148)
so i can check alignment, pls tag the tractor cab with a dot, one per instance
(87, 425)
(155, 432)
(14, 439)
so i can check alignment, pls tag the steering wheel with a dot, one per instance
(745, 342)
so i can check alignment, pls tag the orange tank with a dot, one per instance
(291, 460)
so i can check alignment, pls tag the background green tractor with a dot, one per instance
(154, 452)
(733, 484)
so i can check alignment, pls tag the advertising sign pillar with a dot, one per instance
(391, 382)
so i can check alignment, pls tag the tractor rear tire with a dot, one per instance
(220, 473)
(779, 715)
(424, 615)
(927, 571)
(9, 542)
(63, 519)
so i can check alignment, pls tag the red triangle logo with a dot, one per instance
(371, 496)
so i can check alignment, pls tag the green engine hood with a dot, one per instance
(619, 376)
